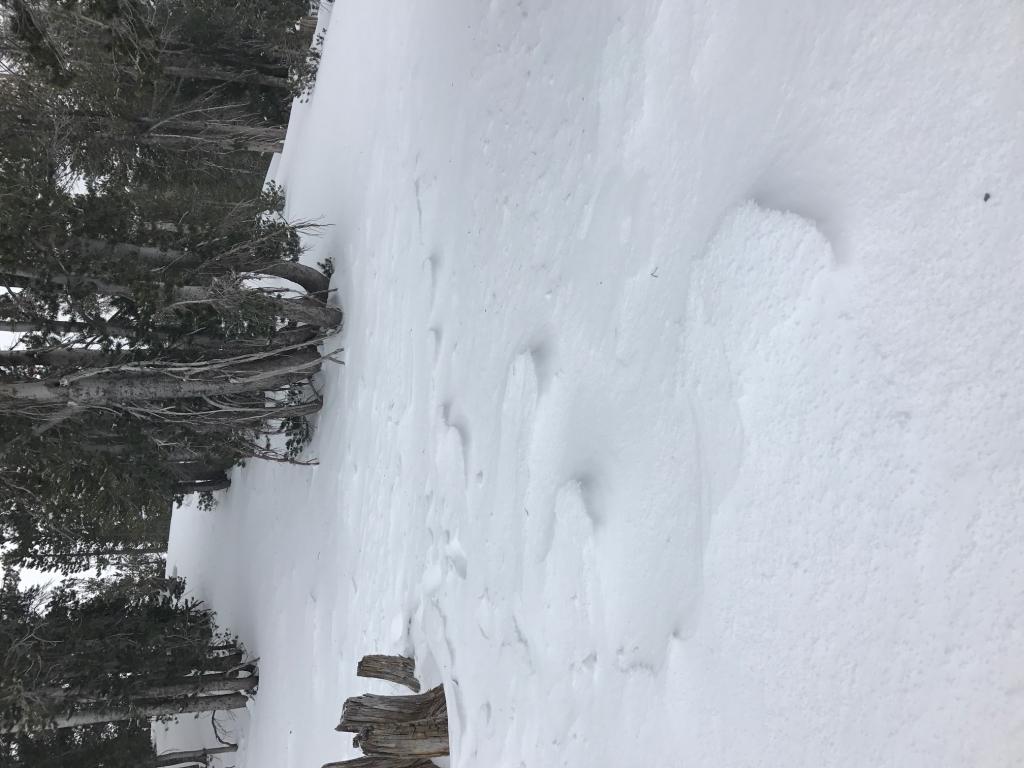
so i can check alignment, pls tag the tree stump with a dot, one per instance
(417, 738)
(371, 709)
(395, 731)
(383, 762)
(395, 669)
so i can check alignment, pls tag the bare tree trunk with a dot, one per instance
(190, 686)
(301, 309)
(193, 756)
(313, 280)
(153, 550)
(229, 136)
(307, 25)
(120, 387)
(396, 669)
(160, 708)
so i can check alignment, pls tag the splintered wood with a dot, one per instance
(382, 762)
(396, 669)
(395, 731)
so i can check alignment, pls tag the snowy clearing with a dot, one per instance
(680, 420)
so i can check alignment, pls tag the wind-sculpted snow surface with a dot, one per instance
(681, 415)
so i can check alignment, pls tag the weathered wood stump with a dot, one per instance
(395, 731)
(394, 669)
(417, 738)
(371, 709)
(383, 762)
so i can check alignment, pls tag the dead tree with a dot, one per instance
(192, 756)
(395, 731)
(417, 738)
(372, 709)
(383, 762)
(147, 709)
(394, 669)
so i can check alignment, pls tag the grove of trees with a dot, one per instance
(159, 329)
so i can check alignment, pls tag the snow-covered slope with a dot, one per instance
(681, 419)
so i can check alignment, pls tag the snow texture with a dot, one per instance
(681, 415)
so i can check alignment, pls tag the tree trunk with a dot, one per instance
(110, 330)
(396, 669)
(312, 280)
(419, 738)
(189, 486)
(161, 708)
(226, 663)
(193, 756)
(298, 310)
(302, 309)
(307, 25)
(187, 687)
(112, 388)
(154, 550)
(148, 254)
(57, 357)
(196, 471)
(224, 75)
(371, 709)
(383, 762)
(195, 133)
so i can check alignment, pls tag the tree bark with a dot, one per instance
(383, 762)
(395, 669)
(300, 309)
(371, 709)
(312, 280)
(418, 738)
(192, 686)
(225, 75)
(57, 358)
(148, 254)
(229, 136)
(189, 486)
(154, 550)
(192, 756)
(112, 388)
(146, 709)
(196, 472)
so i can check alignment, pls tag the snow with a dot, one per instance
(680, 415)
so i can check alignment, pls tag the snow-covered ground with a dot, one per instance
(681, 415)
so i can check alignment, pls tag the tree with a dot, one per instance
(100, 651)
